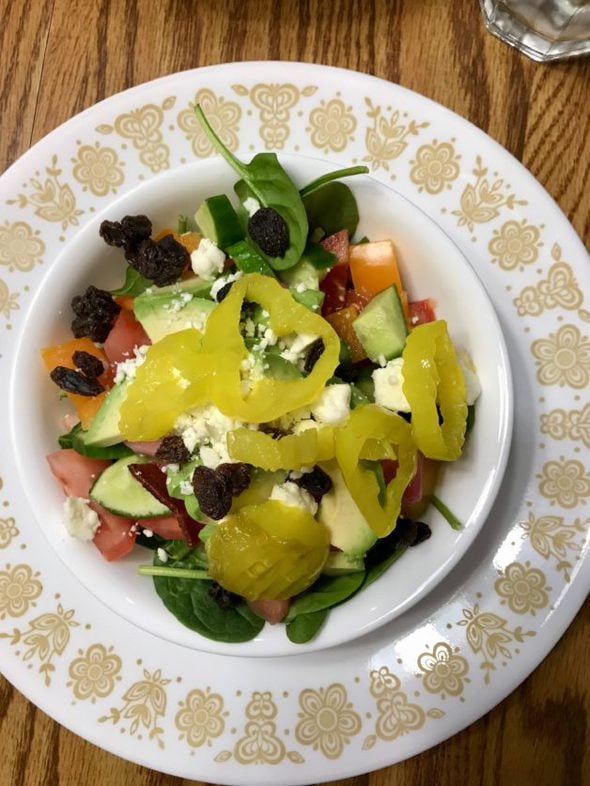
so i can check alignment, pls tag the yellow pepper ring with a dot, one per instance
(432, 376)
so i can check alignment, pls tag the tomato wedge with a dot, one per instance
(126, 334)
(421, 312)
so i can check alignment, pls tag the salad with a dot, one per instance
(260, 405)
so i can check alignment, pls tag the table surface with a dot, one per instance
(61, 56)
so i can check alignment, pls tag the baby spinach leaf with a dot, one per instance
(326, 592)
(134, 283)
(305, 626)
(332, 207)
(382, 556)
(318, 256)
(267, 181)
(338, 174)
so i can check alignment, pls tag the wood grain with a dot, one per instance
(61, 56)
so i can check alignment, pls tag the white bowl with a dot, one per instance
(432, 266)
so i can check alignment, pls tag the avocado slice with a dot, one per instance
(104, 429)
(162, 313)
(339, 563)
(381, 327)
(348, 528)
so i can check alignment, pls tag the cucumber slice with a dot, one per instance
(248, 260)
(381, 327)
(118, 491)
(218, 221)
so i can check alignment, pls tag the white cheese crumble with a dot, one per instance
(204, 430)
(294, 496)
(207, 259)
(388, 386)
(472, 385)
(305, 425)
(162, 555)
(186, 488)
(220, 282)
(296, 347)
(333, 404)
(80, 520)
(128, 368)
(251, 206)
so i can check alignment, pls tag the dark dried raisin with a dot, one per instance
(224, 291)
(275, 433)
(160, 261)
(88, 364)
(224, 598)
(423, 532)
(407, 532)
(317, 482)
(269, 230)
(127, 233)
(313, 354)
(212, 493)
(237, 476)
(172, 449)
(95, 312)
(73, 382)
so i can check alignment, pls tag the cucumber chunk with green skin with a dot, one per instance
(104, 429)
(218, 221)
(311, 298)
(302, 273)
(247, 259)
(381, 327)
(76, 439)
(118, 491)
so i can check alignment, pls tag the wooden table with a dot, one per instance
(61, 56)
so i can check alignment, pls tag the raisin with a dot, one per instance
(127, 233)
(407, 532)
(317, 482)
(89, 365)
(275, 433)
(224, 598)
(269, 230)
(172, 449)
(237, 476)
(313, 354)
(224, 291)
(423, 532)
(212, 493)
(73, 382)
(160, 261)
(95, 312)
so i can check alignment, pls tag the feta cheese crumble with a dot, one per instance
(333, 404)
(207, 259)
(80, 520)
(162, 555)
(128, 368)
(294, 496)
(388, 386)
(295, 348)
(204, 430)
(472, 385)
(251, 206)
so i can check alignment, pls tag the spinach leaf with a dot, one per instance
(383, 554)
(248, 259)
(305, 626)
(134, 283)
(470, 419)
(182, 224)
(326, 592)
(267, 181)
(338, 174)
(332, 207)
(153, 543)
(75, 439)
(317, 256)
(447, 514)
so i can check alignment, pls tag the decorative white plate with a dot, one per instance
(461, 649)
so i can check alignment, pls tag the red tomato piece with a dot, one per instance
(272, 611)
(421, 312)
(165, 526)
(76, 473)
(334, 286)
(126, 334)
(358, 298)
(115, 537)
(338, 244)
(145, 448)
(415, 488)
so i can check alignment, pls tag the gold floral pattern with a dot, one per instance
(224, 117)
(332, 125)
(144, 704)
(565, 482)
(515, 244)
(19, 589)
(260, 743)
(523, 588)
(275, 102)
(561, 423)
(200, 718)
(46, 637)
(327, 720)
(143, 127)
(8, 531)
(482, 200)
(52, 201)
(8, 300)
(98, 169)
(553, 539)
(93, 674)
(21, 248)
(435, 167)
(559, 290)
(387, 138)
(443, 670)
(563, 358)
(488, 635)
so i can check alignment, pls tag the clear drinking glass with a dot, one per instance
(542, 29)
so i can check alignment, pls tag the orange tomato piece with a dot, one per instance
(373, 266)
(61, 355)
(190, 240)
(342, 321)
(125, 301)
